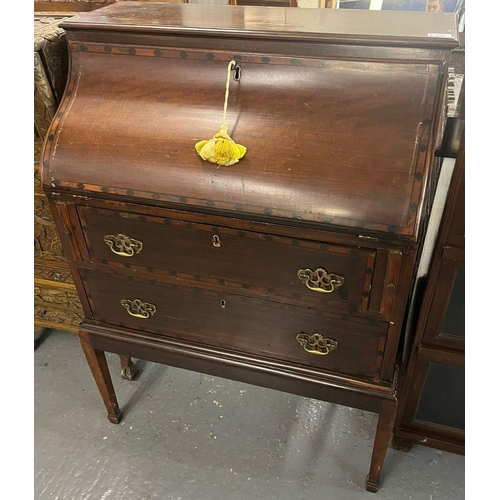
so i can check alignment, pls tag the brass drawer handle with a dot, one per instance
(123, 245)
(316, 343)
(138, 309)
(320, 280)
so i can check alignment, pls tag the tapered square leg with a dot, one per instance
(383, 435)
(99, 368)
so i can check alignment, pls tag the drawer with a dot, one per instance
(288, 333)
(274, 263)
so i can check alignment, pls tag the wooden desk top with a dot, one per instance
(344, 25)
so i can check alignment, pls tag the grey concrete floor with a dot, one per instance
(188, 436)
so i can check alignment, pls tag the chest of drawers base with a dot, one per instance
(97, 339)
(328, 346)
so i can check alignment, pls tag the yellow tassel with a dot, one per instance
(221, 149)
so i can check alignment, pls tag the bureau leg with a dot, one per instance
(385, 427)
(129, 370)
(99, 368)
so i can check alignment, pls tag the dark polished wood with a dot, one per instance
(436, 342)
(382, 438)
(309, 25)
(246, 324)
(252, 369)
(99, 367)
(394, 157)
(129, 370)
(247, 257)
(216, 270)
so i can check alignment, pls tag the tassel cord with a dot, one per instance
(221, 149)
(229, 68)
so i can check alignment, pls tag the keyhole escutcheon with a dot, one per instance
(237, 72)
(215, 241)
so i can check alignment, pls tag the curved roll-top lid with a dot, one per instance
(341, 142)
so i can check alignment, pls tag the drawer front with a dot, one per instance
(262, 327)
(303, 269)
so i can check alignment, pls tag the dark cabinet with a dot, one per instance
(432, 393)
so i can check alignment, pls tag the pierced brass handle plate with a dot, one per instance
(123, 245)
(316, 344)
(319, 280)
(138, 309)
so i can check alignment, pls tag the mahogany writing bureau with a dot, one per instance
(290, 269)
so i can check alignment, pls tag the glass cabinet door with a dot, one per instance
(442, 400)
(453, 324)
(446, 322)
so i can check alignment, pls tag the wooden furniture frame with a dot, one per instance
(430, 343)
(259, 272)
